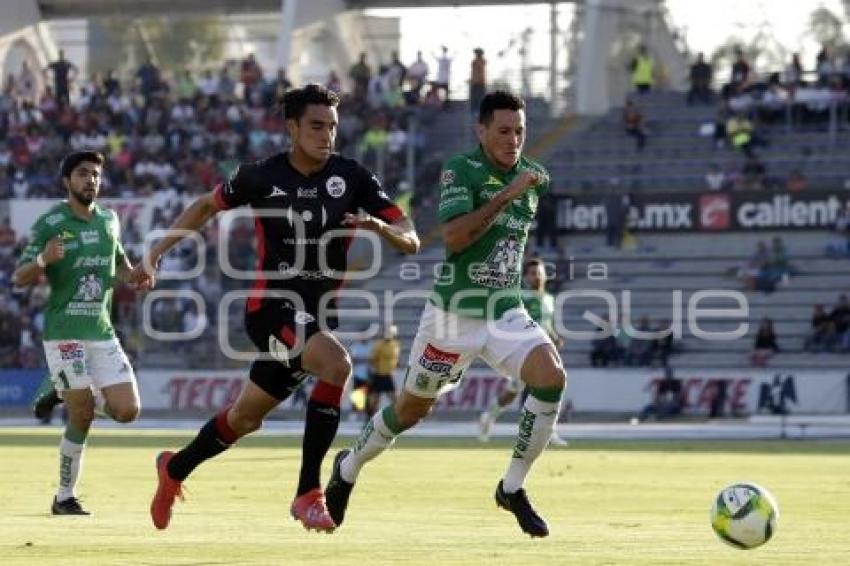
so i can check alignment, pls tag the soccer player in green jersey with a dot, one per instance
(488, 198)
(77, 244)
(541, 308)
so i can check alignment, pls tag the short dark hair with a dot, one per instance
(498, 100)
(295, 101)
(534, 262)
(70, 161)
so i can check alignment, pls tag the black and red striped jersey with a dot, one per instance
(295, 218)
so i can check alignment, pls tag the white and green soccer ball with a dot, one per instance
(744, 515)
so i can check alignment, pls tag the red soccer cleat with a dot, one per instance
(166, 491)
(311, 510)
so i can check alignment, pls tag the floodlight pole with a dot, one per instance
(553, 58)
(287, 26)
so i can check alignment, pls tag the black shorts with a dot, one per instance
(379, 383)
(279, 334)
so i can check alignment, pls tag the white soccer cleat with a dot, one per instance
(558, 440)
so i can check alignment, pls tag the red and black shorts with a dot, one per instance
(280, 335)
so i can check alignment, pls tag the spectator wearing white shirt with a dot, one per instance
(208, 84)
(20, 185)
(396, 139)
(715, 178)
(417, 74)
(444, 73)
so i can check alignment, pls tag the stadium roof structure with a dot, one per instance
(53, 9)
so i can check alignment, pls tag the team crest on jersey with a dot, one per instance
(335, 186)
(90, 288)
(501, 269)
(447, 178)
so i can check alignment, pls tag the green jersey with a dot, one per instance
(81, 282)
(541, 308)
(483, 279)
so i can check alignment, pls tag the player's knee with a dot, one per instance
(337, 371)
(410, 413)
(81, 417)
(125, 414)
(507, 397)
(556, 378)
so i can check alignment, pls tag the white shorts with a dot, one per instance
(78, 364)
(446, 345)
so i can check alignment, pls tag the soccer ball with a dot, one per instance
(744, 515)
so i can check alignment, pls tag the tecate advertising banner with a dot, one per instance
(745, 391)
(707, 212)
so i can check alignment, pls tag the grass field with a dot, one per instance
(426, 502)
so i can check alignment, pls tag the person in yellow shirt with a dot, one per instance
(642, 67)
(382, 364)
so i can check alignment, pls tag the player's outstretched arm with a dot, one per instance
(190, 220)
(401, 234)
(28, 273)
(459, 233)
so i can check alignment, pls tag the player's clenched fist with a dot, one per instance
(522, 182)
(53, 251)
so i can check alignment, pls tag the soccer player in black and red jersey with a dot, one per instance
(298, 197)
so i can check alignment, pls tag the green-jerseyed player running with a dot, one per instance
(77, 244)
(540, 305)
(488, 199)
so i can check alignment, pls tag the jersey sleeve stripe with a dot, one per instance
(390, 214)
(219, 197)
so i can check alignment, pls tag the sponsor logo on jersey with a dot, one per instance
(447, 178)
(66, 235)
(286, 269)
(54, 219)
(302, 317)
(93, 261)
(714, 212)
(335, 186)
(473, 163)
(308, 193)
(277, 192)
(491, 180)
(89, 237)
(438, 361)
(501, 269)
(69, 351)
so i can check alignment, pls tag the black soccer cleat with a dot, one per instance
(44, 404)
(518, 504)
(338, 490)
(70, 506)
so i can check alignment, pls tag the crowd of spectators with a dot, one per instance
(618, 347)
(830, 331)
(767, 268)
(171, 136)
